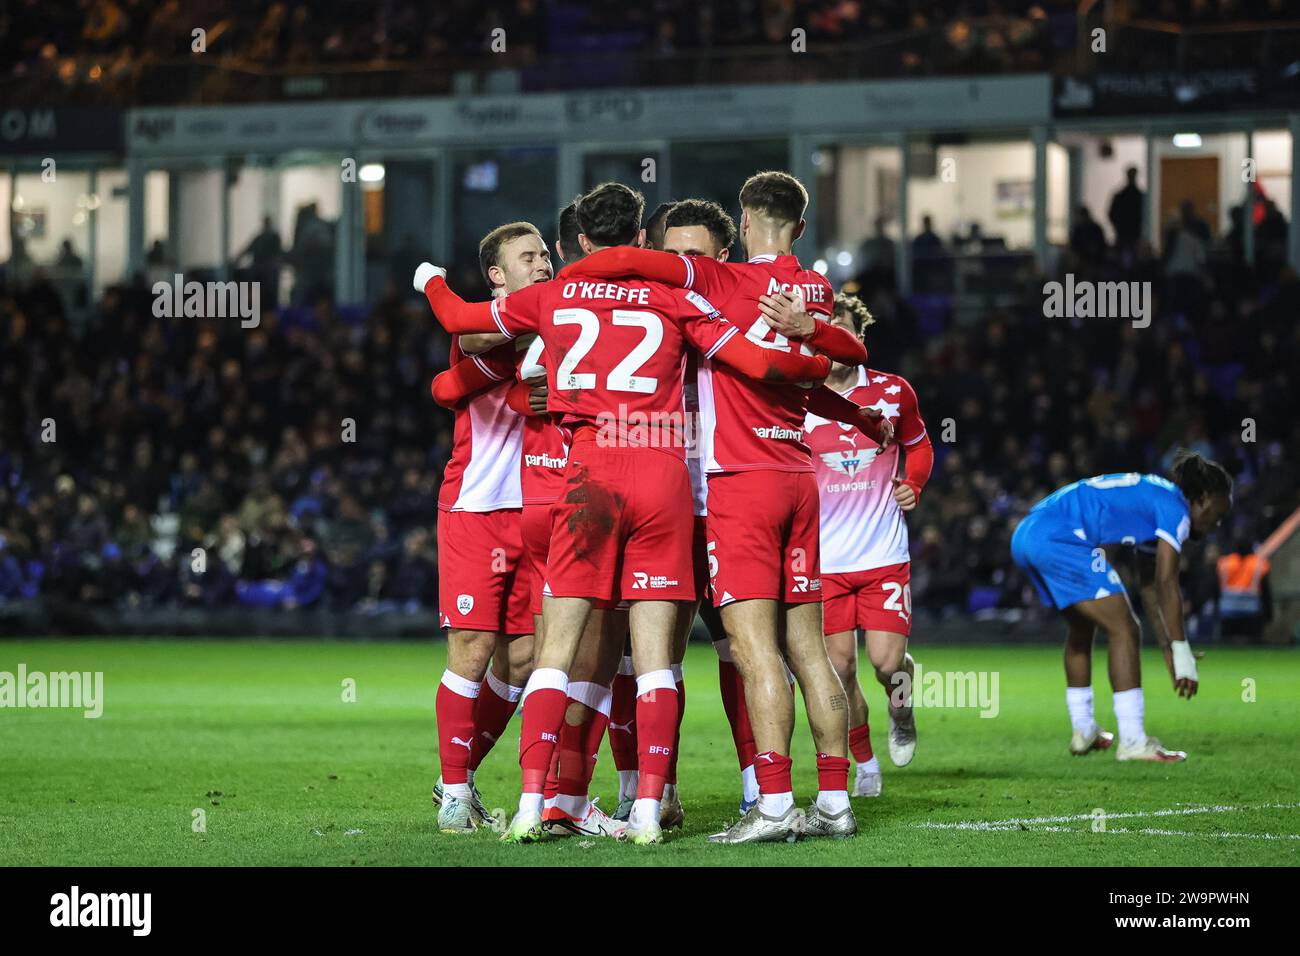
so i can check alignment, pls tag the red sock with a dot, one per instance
(773, 772)
(454, 706)
(656, 719)
(860, 743)
(492, 715)
(622, 722)
(832, 772)
(552, 785)
(572, 753)
(594, 731)
(677, 739)
(540, 735)
(576, 773)
(733, 702)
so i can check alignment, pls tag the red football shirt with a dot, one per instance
(746, 425)
(862, 527)
(615, 352)
(545, 443)
(483, 471)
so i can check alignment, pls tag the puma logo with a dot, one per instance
(626, 728)
(467, 744)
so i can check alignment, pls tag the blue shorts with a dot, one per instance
(1064, 568)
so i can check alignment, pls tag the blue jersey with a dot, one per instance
(1121, 509)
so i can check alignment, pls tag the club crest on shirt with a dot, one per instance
(850, 461)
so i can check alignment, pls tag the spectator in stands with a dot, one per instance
(1125, 213)
(264, 255)
(1087, 241)
(1245, 595)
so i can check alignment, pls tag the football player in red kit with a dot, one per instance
(764, 560)
(615, 354)
(865, 561)
(484, 575)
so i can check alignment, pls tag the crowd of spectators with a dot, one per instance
(162, 462)
(1032, 403)
(128, 51)
(168, 461)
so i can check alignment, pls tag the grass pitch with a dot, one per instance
(257, 736)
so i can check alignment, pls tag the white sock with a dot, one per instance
(871, 766)
(832, 801)
(1079, 702)
(458, 790)
(627, 784)
(749, 783)
(1129, 707)
(775, 804)
(530, 803)
(574, 806)
(644, 810)
(548, 803)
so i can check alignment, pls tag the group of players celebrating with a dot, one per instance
(657, 431)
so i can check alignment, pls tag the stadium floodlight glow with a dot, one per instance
(822, 266)
(845, 258)
(1187, 140)
(372, 173)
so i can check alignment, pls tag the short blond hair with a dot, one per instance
(856, 310)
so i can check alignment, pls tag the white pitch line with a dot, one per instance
(1152, 831)
(1017, 823)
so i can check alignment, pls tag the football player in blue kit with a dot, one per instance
(1060, 546)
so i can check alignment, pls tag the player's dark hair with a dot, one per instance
(654, 226)
(775, 195)
(1197, 477)
(489, 249)
(702, 212)
(568, 232)
(855, 309)
(610, 215)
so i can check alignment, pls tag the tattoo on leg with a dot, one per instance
(839, 702)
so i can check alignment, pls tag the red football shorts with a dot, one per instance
(875, 600)
(622, 525)
(537, 545)
(763, 537)
(484, 577)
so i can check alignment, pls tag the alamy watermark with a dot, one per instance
(974, 689)
(1098, 300)
(208, 300)
(76, 690)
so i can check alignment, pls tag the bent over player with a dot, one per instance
(1060, 546)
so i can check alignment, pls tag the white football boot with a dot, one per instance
(866, 783)
(838, 826)
(597, 823)
(902, 735)
(757, 827)
(1149, 749)
(1096, 739)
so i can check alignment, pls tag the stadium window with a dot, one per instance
(283, 230)
(49, 229)
(857, 212)
(398, 211)
(495, 186)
